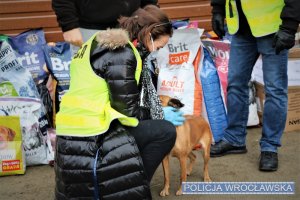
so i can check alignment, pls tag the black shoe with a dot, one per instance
(268, 161)
(222, 148)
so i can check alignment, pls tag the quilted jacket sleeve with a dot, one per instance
(118, 69)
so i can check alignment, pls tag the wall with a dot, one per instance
(17, 16)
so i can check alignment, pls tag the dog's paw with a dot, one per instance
(207, 179)
(164, 192)
(179, 192)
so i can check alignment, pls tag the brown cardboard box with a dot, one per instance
(294, 52)
(293, 114)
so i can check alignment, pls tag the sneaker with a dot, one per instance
(222, 148)
(268, 161)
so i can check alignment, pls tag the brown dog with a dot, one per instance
(195, 130)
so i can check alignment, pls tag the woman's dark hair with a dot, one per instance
(143, 21)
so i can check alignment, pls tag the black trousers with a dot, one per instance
(155, 139)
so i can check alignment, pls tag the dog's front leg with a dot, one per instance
(166, 168)
(182, 160)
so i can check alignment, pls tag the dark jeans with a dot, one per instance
(244, 52)
(155, 139)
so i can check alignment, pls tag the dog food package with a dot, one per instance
(3, 37)
(34, 131)
(12, 157)
(58, 59)
(213, 101)
(14, 79)
(219, 52)
(178, 64)
(28, 47)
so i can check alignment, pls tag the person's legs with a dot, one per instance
(243, 55)
(275, 106)
(276, 82)
(155, 139)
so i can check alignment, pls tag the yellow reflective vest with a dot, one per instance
(85, 109)
(263, 16)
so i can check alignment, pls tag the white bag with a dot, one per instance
(178, 82)
(177, 71)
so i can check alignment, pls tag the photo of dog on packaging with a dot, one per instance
(58, 59)
(28, 48)
(33, 129)
(12, 157)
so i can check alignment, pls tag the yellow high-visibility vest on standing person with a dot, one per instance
(85, 109)
(263, 16)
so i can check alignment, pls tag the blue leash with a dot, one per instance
(96, 188)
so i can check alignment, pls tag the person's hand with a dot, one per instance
(173, 115)
(283, 39)
(218, 24)
(74, 37)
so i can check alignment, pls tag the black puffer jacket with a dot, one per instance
(120, 169)
(118, 67)
(94, 14)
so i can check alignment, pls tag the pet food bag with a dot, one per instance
(219, 52)
(213, 101)
(34, 133)
(178, 65)
(12, 157)
(58, 59)
(28, 48)
(14, 79)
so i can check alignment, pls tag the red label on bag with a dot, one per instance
(179, 58)
(11, 165)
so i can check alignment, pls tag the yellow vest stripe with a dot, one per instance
(263, 16)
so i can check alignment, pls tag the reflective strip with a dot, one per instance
(79, 121)
(139, 62)
(232, 21)
(83, 103)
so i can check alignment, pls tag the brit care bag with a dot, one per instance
(178, 65)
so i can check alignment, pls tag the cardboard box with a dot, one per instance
(293, 114)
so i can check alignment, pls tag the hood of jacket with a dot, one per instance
(112, 38)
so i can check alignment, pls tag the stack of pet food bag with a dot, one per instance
(33, 77)
(188, 73)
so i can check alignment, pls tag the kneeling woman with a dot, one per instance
(108, 147)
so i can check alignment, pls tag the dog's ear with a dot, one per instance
(164, 100)
(176, 103)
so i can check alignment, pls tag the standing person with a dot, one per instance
(265, 28)
(80, 19)
(108, 146)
